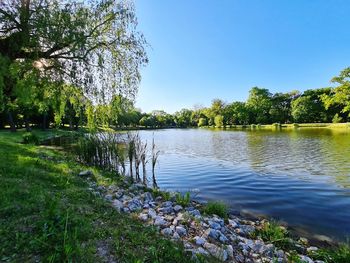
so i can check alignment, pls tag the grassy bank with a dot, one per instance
(47, 214)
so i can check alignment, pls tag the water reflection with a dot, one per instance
(299, 176)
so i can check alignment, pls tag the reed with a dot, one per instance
(102, 150)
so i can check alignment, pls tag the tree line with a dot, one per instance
(322, 105)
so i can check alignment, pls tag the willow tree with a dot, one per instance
(93, 45)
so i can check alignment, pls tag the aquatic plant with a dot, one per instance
(155, 155)
(102, 150)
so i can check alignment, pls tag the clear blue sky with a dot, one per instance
(201, 49)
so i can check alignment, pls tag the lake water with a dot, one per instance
(301, 177)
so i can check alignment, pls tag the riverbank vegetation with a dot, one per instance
(47, 212)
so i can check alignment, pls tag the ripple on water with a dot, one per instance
(299, 177)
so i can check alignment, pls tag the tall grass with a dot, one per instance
(102, 150)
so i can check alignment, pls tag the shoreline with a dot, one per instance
(231, 239)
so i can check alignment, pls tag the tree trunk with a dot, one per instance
(44, 121)
(11, 122)
(27, 125)
(71, 126)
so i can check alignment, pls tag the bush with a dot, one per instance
(216, 208)
(30, 138)
(183, 200)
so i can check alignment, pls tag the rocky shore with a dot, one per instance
(229, 240)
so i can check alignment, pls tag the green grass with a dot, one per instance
(274, 233)
(47, 214)
(183, 200)
(216, 208)
(339, 254)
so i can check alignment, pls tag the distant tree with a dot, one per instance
(219, 121)
(281, 108)
(340, 95)
(240, 113)
(259, 103)
(310, 108)
(202, 122)
(183, 118)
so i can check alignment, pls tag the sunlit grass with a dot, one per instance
(47, 214)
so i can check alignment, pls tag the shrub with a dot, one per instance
(30, 138)
(216, 208)
(183, 200)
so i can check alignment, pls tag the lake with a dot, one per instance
(301, 177)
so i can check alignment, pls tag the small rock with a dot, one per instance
(177, 208)
(223, 238)
(159, 221)
(188, 245)
(152, 214)
(118, 194)
(158, 199)
(166, 210)
(245, 230)
(212, 233)
(214, 225)
(126, 210)
(109, 198)
(306, 259)
(118, 205)
(233, 223)
(167, 231)
(280, 253)
(201, 251)
(176, 236)
(167, 204)
(229, 250)
(181, 230)
(148, 197)
(199, 240)
(143, 217)
(195, 212)
(86, 173)
(216, 251)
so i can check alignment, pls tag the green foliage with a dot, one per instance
(183, 200)
(219, 121)
(216, 208)
(164, 194)
(30, 138)
(336, 118)
(274, 233)
(202, 122)
(293, 257)
(337, 254)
